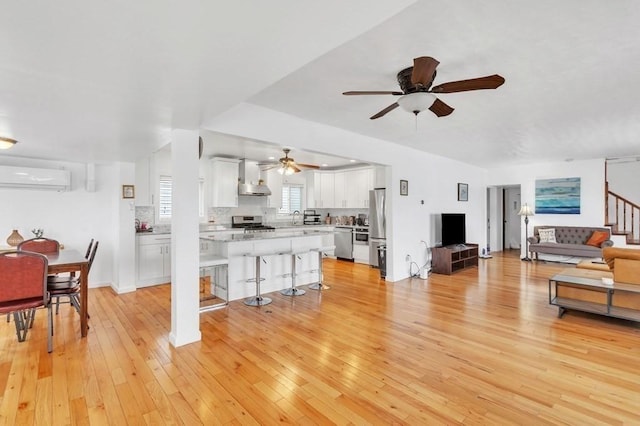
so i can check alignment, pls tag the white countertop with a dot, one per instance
(265, 235)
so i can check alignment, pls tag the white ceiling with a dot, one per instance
(88, 81)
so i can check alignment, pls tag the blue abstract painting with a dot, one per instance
(558, 196)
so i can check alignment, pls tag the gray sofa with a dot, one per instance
(570, 241)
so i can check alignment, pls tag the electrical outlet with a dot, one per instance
(407, 258)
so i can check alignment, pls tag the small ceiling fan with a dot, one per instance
(417, 92)
(288, 166)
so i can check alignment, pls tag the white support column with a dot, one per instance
(124, 267)
(185, 249)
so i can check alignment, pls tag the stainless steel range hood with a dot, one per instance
(250, 182)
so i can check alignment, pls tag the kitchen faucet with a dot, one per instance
(293, 220)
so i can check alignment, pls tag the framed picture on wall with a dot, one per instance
(463, 192)
(128, 191)
(404, 187)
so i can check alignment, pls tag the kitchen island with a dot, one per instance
(275, 249)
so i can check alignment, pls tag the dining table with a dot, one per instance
(73, 261)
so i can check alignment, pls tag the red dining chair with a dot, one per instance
(69, 286)
(23, 288)
(40, 245)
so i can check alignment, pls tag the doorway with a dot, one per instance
(503, 223)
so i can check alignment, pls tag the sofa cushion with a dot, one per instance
(580, 250)
(547, 235)
(597, 238)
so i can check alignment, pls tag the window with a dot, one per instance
(291, 199)
(164, 206)
(166, 187)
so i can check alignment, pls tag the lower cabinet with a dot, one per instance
(153, 260)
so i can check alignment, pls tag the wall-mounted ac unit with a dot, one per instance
(32, 178)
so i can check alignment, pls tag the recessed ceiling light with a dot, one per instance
(352, 161)
(324, 165)
(272, 158)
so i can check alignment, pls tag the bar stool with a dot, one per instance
(321, 252)
(257, 300)
(217, 266)
(294, 291)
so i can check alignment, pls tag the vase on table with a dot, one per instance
(15, 238)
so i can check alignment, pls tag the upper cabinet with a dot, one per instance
(341, 189)
(224, 182)
(144, 189)
(362, 183)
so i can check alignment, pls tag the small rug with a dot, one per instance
(574, 260)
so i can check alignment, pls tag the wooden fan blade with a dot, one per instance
(423, 69)
(372, 92)
(307, 166)
(295, 169)
(488, 82)
(440, 109)
(386, 110)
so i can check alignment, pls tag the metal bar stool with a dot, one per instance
(213, 269)
(257, 300)
(322, 251)
(293, 290)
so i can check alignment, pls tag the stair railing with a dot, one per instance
(622, 215)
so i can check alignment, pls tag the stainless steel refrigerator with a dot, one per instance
(377, 224)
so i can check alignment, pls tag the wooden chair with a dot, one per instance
(23, 288)
(70, 286)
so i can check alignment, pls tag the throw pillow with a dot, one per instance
(597, 238)
(547, 235)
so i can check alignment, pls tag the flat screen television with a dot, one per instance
(453, 229)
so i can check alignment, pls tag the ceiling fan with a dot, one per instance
(417, 92)
(288, 166)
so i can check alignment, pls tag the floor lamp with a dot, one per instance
(525, 211)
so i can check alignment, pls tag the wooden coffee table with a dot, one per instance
(584, 290)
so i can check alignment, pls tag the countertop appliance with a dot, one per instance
(377, 224)
(310, 217)
(343, 241)
(250, 224)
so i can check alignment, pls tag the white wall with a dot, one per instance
(72, 217)
(623, 177)
(591, 174)
(432, 179)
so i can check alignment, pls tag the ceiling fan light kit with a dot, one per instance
(288, 166)
(6, 143)
(416, 102)
(417, 93)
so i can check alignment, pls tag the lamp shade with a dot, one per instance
(525, 210)
(416, 102)
(6, 143)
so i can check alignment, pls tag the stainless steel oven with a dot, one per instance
(361, 236)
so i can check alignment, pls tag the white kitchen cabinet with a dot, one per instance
(342, 189)
(145, 170)
(341, 186)
(362, 182)
(153, 260)
(274, 182)
(323, 190)
(361, 254)
(224, 182)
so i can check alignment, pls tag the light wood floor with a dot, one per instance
(479, 347)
